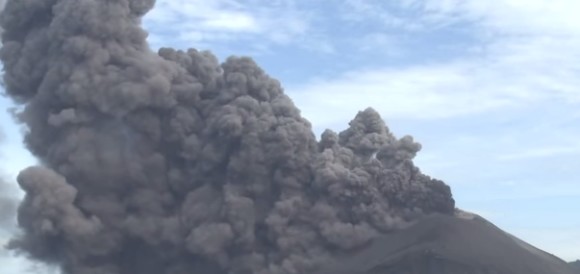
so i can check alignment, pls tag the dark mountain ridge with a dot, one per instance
(440, 244)
(576, 264)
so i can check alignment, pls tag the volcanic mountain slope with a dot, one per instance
(576, 264)
(441, 244)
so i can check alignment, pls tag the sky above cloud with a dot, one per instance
(490, 89)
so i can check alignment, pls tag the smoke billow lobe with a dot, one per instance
(171, 162)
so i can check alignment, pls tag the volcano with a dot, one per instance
(172, 162)
(440, 244)
(576, 265)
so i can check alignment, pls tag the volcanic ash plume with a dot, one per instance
(173, 163)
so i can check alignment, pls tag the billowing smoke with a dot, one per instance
(173, 163)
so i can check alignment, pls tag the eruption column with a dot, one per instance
(173, 163)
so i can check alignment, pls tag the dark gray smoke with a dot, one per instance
(173, 163)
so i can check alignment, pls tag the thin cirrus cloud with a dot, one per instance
(420, 92)
(542, 152)
(205, 23)
(519, 60)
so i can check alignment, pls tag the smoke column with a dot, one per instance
(173, 163)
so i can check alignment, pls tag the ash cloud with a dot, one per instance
(172, 162)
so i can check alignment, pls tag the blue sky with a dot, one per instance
(490, 88)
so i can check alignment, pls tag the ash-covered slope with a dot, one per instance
(441, 244)
(576, 265)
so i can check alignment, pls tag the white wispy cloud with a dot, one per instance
(429, 91)
(503, 17)
(378, 41)
(541, 152)
(531, 17)
(528, 53)
(207, 23)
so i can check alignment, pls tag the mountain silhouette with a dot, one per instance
(440, 244)
(576, 264)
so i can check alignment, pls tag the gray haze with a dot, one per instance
(174, 163)
(8, 200)
(8, 205)
(2, 3)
